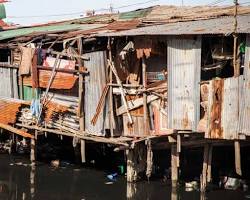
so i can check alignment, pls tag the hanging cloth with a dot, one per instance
(26, 61)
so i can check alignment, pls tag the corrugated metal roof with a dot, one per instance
(41, 29)
(135, 14)
(222, 25)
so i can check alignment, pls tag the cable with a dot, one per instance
(78, 13)
(216, 2)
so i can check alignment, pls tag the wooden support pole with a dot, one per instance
(111, 111)
(237, 157)
(206, 170)
(174, 165)
(145, 107)
(81, 99)
(149, 159)
(136, 162)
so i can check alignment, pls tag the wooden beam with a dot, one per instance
(113, 141)
(133, 104)
(16, 131)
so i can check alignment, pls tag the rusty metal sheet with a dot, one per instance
(94, 84)
(244, 125)
(9, 110)
(184, 65)
(8, 86)
(224, 101)
(222, 25)
(60, 81)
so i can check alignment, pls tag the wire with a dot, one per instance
(78, 13)
(216, 2)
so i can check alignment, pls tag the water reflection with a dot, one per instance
(21, 181)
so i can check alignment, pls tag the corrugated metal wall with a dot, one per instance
(224, 103)
(94, 84)
(184, 65)
(8, 86)
(230, 107)
(244, 125)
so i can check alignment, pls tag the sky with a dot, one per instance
(27, 12)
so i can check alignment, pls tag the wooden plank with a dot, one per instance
(112, 67)
(16, 131)
(133, 104)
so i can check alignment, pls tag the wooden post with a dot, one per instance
(149, 159)
(81, 99)
(174, 165)
(145, 108)
(206, 170)
(136, 162)
(111, 111)
(237, 157)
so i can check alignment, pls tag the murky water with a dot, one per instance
(18, 180)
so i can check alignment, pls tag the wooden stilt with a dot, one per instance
(136, 162)
(206, 170)
(149, 159)
(83, 156)
(237, 158)
(174, 165)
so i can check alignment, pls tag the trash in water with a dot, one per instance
(112, 177)
(109, 183)
(190, 186)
